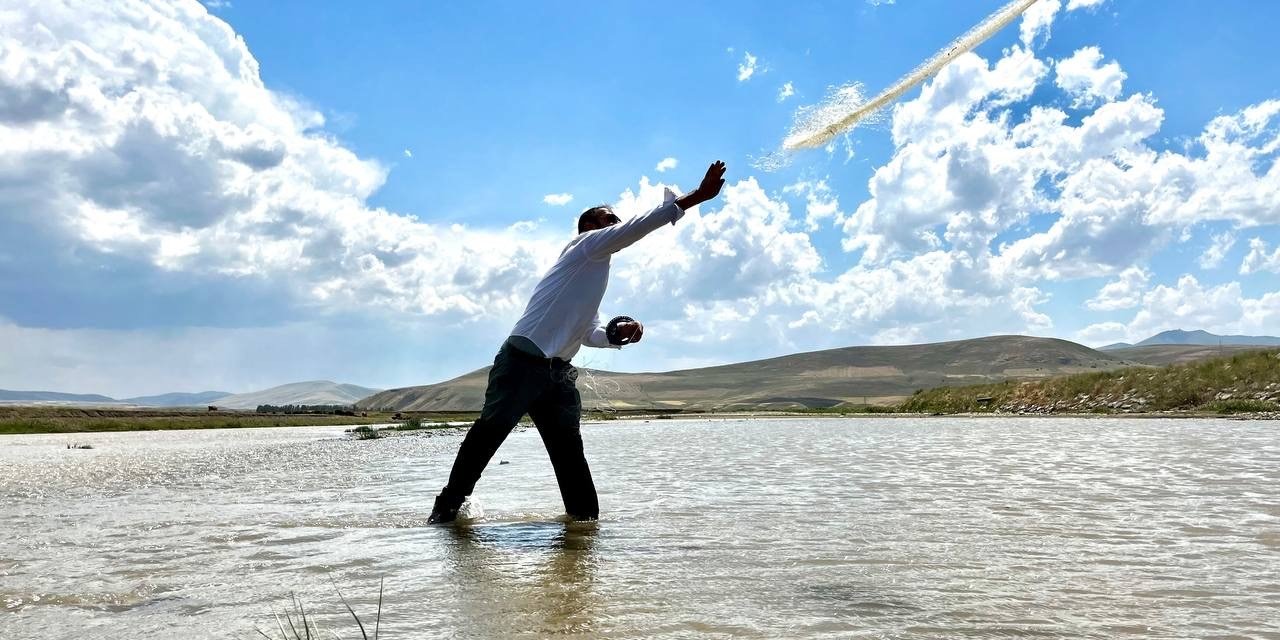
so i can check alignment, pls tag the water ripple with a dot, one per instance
(859, 528)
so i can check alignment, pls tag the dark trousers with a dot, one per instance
(520, 383)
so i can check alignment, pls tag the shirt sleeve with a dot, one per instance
(612, 239)
(596, 336)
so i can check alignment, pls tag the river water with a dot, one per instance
(777, 528)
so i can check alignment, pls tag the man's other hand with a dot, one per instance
(630, 332)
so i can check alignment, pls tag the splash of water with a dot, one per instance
(845, 106)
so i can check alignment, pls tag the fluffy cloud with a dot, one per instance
(1125, 292)
(966, 171)
(1219, 245)
(1088, 81)
(1037, 20)
(740, 250)
(786, 91)
(1258, 258)
(820, 202)
(1189, 304)
(557, 199)
(1072, 5)
(747, 67)
(666, 164)
(741, 276)
(952, 167)
(138, 133)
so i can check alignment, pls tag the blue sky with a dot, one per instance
(255, 193)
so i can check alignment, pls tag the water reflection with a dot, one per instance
(534, 578)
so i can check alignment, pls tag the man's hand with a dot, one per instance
(710, 187)
(630, 332)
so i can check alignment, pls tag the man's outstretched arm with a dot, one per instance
(603, 242)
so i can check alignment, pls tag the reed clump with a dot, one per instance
(296, 625)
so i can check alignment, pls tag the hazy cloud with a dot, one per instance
(1219, 245)
(747, 67)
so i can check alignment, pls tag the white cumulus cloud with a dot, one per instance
(1038, 20)
(1260, 258)
(666, 164)
(1125, 292)
(142, 134)
(1087, 80)
(557, 199)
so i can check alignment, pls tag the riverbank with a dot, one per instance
(44, 419)
(1245, 383)
(36, 420)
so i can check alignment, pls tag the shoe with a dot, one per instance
(444, 511)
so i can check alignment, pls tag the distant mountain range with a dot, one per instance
(178, 399)
(53, 396)
(852, 375)
(1197, 337)
(314, 392)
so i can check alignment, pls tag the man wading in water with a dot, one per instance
(531, 373)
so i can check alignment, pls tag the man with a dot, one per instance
(531, 373)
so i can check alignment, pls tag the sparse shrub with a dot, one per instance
(365, 432)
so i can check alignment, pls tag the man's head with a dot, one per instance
(597, 218)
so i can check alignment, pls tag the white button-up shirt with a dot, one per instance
(563, 313)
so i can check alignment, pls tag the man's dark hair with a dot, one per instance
(592, 216)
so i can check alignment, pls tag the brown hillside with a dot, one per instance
(816, 379)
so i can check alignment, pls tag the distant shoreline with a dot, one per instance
(28, 420)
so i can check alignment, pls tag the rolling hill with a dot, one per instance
(313, 392)
(1159, 355)
(815, 379)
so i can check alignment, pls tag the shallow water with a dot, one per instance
(841, 528)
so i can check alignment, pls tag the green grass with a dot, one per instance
(1185, 387)
(1241, 406)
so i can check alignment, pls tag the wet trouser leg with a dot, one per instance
(514, 383)
(557, 413)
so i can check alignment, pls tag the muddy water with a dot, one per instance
(875, 528)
